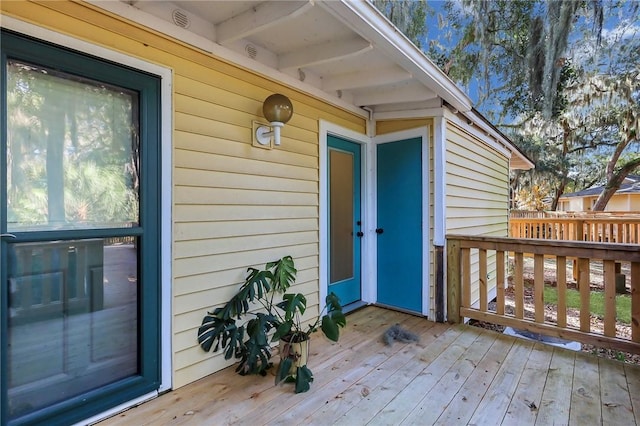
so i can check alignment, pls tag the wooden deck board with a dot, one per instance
(556, 397)
(585, 394)
(523, 409)
(380, 396)
(467, 399)
(614, 391)
(496, 400)
(409, 397)
(633, 381)
(455, 375)
(440, 396)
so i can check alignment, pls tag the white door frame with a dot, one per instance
(366, 195)
(421, 132)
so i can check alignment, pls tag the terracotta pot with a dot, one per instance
(298, 351)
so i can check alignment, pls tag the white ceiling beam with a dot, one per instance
(364, 18)
(259, 18)
(323, 53)
(390, 95)
(356, 80)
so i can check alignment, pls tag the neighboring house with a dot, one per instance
(626, 199)
(135, 194)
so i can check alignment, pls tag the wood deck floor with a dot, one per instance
(455, 375)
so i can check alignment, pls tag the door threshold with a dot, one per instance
(404, 311)
(354, 306)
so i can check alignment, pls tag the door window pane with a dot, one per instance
(72, 151)
(73, 321)
(341, 215)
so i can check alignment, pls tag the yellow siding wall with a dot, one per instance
(234, 205)
(477, 193)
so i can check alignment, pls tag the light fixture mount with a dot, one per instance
(278, 110)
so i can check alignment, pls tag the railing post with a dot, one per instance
(454, 286)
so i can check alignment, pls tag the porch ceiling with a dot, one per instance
(344, 51)
(347, 50)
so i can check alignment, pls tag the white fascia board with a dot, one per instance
(364, 18)
(481, 122)
(160, 25)
(488, 138)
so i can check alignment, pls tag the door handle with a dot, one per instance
(379, 231)
(360, 234)
(7, 236)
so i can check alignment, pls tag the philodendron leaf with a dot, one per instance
(330, 328)
(284, 274)
(223, 333)
(292, 303)
(334, 319)
(304, 377)
(283, 369)
(282, 330)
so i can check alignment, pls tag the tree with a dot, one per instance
(564, 88)
(408, 15)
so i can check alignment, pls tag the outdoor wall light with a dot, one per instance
(277, 109)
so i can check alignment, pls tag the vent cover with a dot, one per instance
(180, 18)
(251, 50)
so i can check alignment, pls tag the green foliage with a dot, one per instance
(596, 302)
(574, 107)
(408, 15)
(250, 342)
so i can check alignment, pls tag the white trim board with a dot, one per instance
(421, 132)
(166, 76)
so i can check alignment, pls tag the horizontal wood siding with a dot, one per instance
(477, 194)
(234, 205)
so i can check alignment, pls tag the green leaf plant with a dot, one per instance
(250, 341)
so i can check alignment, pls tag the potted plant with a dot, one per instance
(269, 320)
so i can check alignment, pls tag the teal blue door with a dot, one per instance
(344, 219)
(399, 226)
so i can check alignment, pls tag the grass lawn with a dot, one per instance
(596, 302)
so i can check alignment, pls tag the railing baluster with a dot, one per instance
(500, 281)
(466, 277)
(538, 287)
(519, 283)
(585, 294)
(482, 279)
(561, 286)
(609, 269)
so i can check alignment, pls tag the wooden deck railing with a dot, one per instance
(467, 258)
(624, 230)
